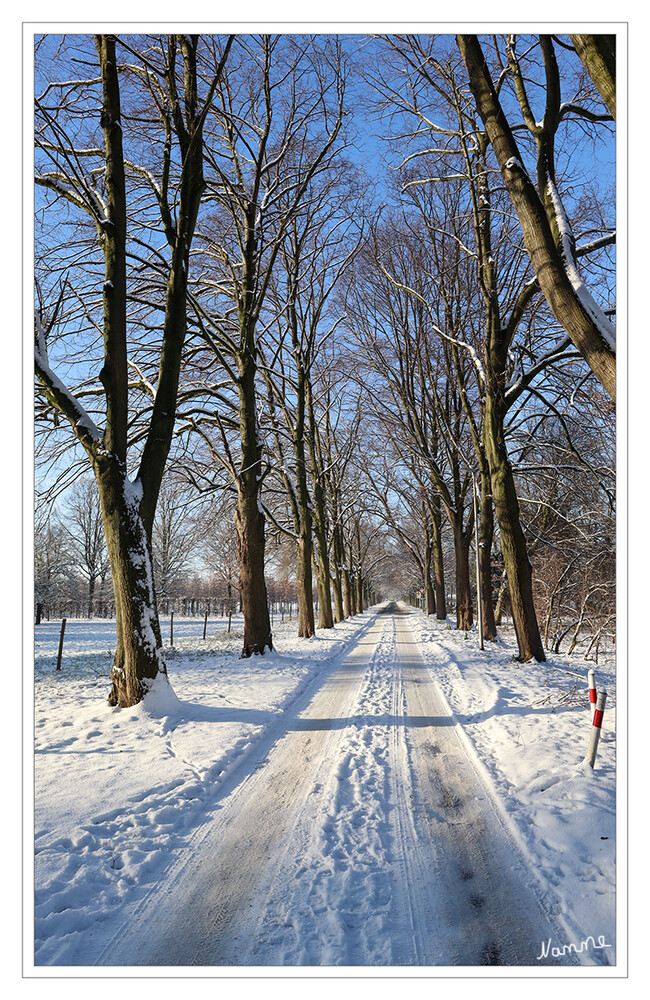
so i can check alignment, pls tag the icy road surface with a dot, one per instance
(361, 833)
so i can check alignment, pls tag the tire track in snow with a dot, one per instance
(354, 884)
(330, 902)
(489, 912)
(195, 916)
(364, 836)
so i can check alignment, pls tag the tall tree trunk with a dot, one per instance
(464, 611)
(438, 563)
(91, 594)
(485, 538)
(325, 617)
(513, 542)
(337, 581)
(249, 518)
(429, 594)
(334, 499)
(139, 655)
(306, 624)
(353, 596)
(493, 447)
(347, 594)
(298, 498)
(353, 583)
(249, 522)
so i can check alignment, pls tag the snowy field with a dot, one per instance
(122, 797)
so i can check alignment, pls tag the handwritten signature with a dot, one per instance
(567, 949)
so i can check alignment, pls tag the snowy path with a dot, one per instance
(360, 834)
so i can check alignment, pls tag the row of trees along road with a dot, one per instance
(239, 293)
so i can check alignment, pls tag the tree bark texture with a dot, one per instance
(464, 610)
(513, 542)
(598, 55)
(250, 525)
(333, 494)
(347, 594)
(139, 655)
(351, 575)
(304, 583)
(325, 617)
(249, 517)
(337, 579)
(429, 593)
(485, 539)
(438, 563)
(546, 256)
(306, 624)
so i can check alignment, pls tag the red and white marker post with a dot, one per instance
(596, 726)
(591, 680)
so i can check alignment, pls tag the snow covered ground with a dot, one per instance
(530, 726)
(127, 801)
(119, 792)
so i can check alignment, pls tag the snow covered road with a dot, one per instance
(358, 833)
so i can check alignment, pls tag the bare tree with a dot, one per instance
(450, 185)
(94, 182)
(318, 247)
(52, 560)
(176, 531)
(278, 114)
(84, 525)
(420, 403)
(544, 221)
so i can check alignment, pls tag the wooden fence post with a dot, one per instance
(58, 659)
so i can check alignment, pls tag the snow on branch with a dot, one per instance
(602, 241)
(559, 351)
(606, 329)
(435, 180)
(143, 382)
(569, 108)
(432, 150)
(88, 199)
(139, 169)
(59, 395)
